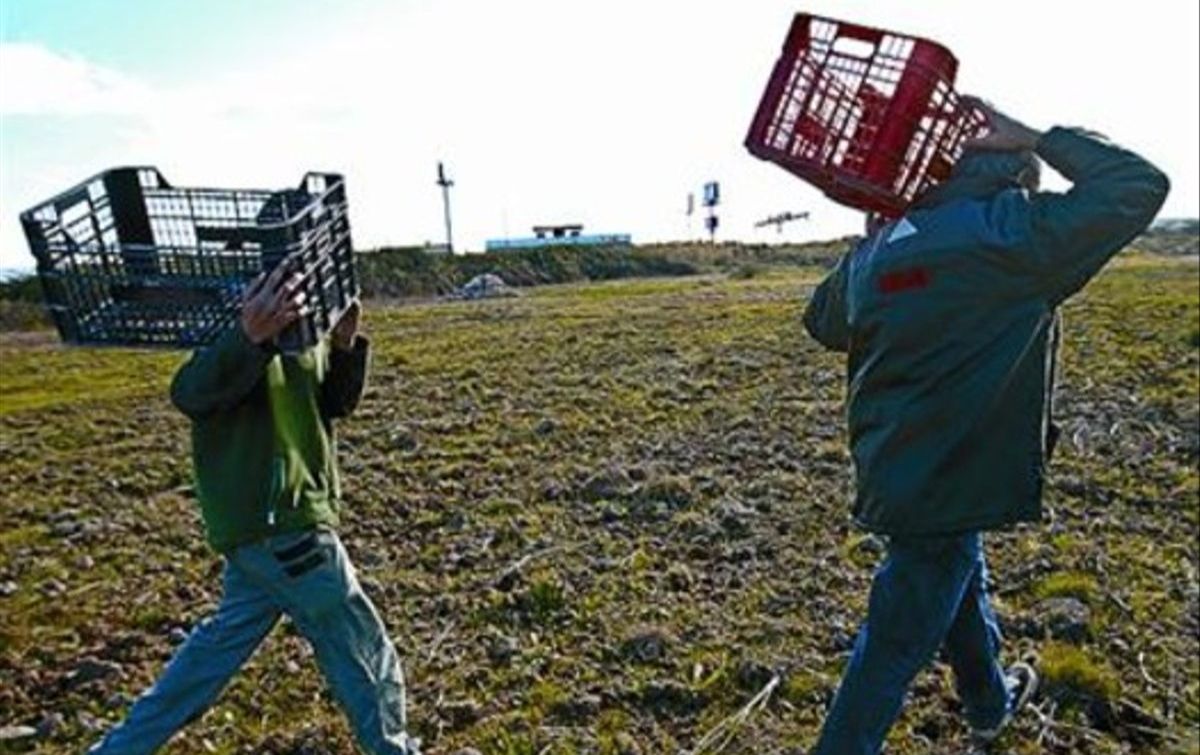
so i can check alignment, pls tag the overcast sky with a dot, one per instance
(606, 113)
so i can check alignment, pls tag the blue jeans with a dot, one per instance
(308, 576)
(929, 593)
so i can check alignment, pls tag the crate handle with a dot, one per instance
(854, 47)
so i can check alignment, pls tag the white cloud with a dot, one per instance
(40, 81)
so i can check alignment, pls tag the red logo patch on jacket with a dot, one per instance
(904, 280)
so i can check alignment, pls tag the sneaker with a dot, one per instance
(1022, 683)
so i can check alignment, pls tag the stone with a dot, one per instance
(671, 697)
(626, 745)
(50, 724)
(679, 577)
(17, 733)
(53, 588)
(89, 722)
(552, 490)
(460, 713)
(841, 641)
(1065, 619)
(577, 708)
(871, 548)
(92, 669)
(734, 516)
(484, 286)
(117, 701)
(404, 439)
(752, 675)
(647, 646)
(503, 649)
(608, 483)
(65, 528)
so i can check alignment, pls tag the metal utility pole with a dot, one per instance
(446, 183)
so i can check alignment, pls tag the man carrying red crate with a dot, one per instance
(267, 483)
(948, 318)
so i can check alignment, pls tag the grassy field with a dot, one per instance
(600, 518)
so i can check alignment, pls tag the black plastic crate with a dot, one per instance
(127, 259)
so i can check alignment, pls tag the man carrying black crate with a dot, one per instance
(948, 317)
(267, 482)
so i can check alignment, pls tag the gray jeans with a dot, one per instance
(308, 576)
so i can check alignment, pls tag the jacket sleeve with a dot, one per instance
(1115, 195)
(826, 318)
(217, 377)
(346, 379)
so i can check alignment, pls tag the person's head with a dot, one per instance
(1006, 170)
(981, 173)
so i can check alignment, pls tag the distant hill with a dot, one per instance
(410, 272)
(1171, 236)
(1176, 225)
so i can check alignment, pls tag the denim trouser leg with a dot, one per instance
(308, 576)
(973, 649)
(328, 606)
(916, 600)
(212, 653)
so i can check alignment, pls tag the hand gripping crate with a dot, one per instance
(127, 259)
(868, 116)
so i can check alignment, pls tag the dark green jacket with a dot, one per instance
(948, 317)
(263, 445)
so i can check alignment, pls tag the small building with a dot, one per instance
(568, 231)
(567, 234)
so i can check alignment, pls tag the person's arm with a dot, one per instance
(826, 318)
(1114, 196)
(349, 358)
(220, 375)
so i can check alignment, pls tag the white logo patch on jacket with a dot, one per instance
(902, 230)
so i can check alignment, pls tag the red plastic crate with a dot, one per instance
(868, 116)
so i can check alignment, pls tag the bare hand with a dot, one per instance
(347, 328)
(1004, 133)
(271, 303)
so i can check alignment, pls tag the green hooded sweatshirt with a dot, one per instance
(263, 444)
(948, 318)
